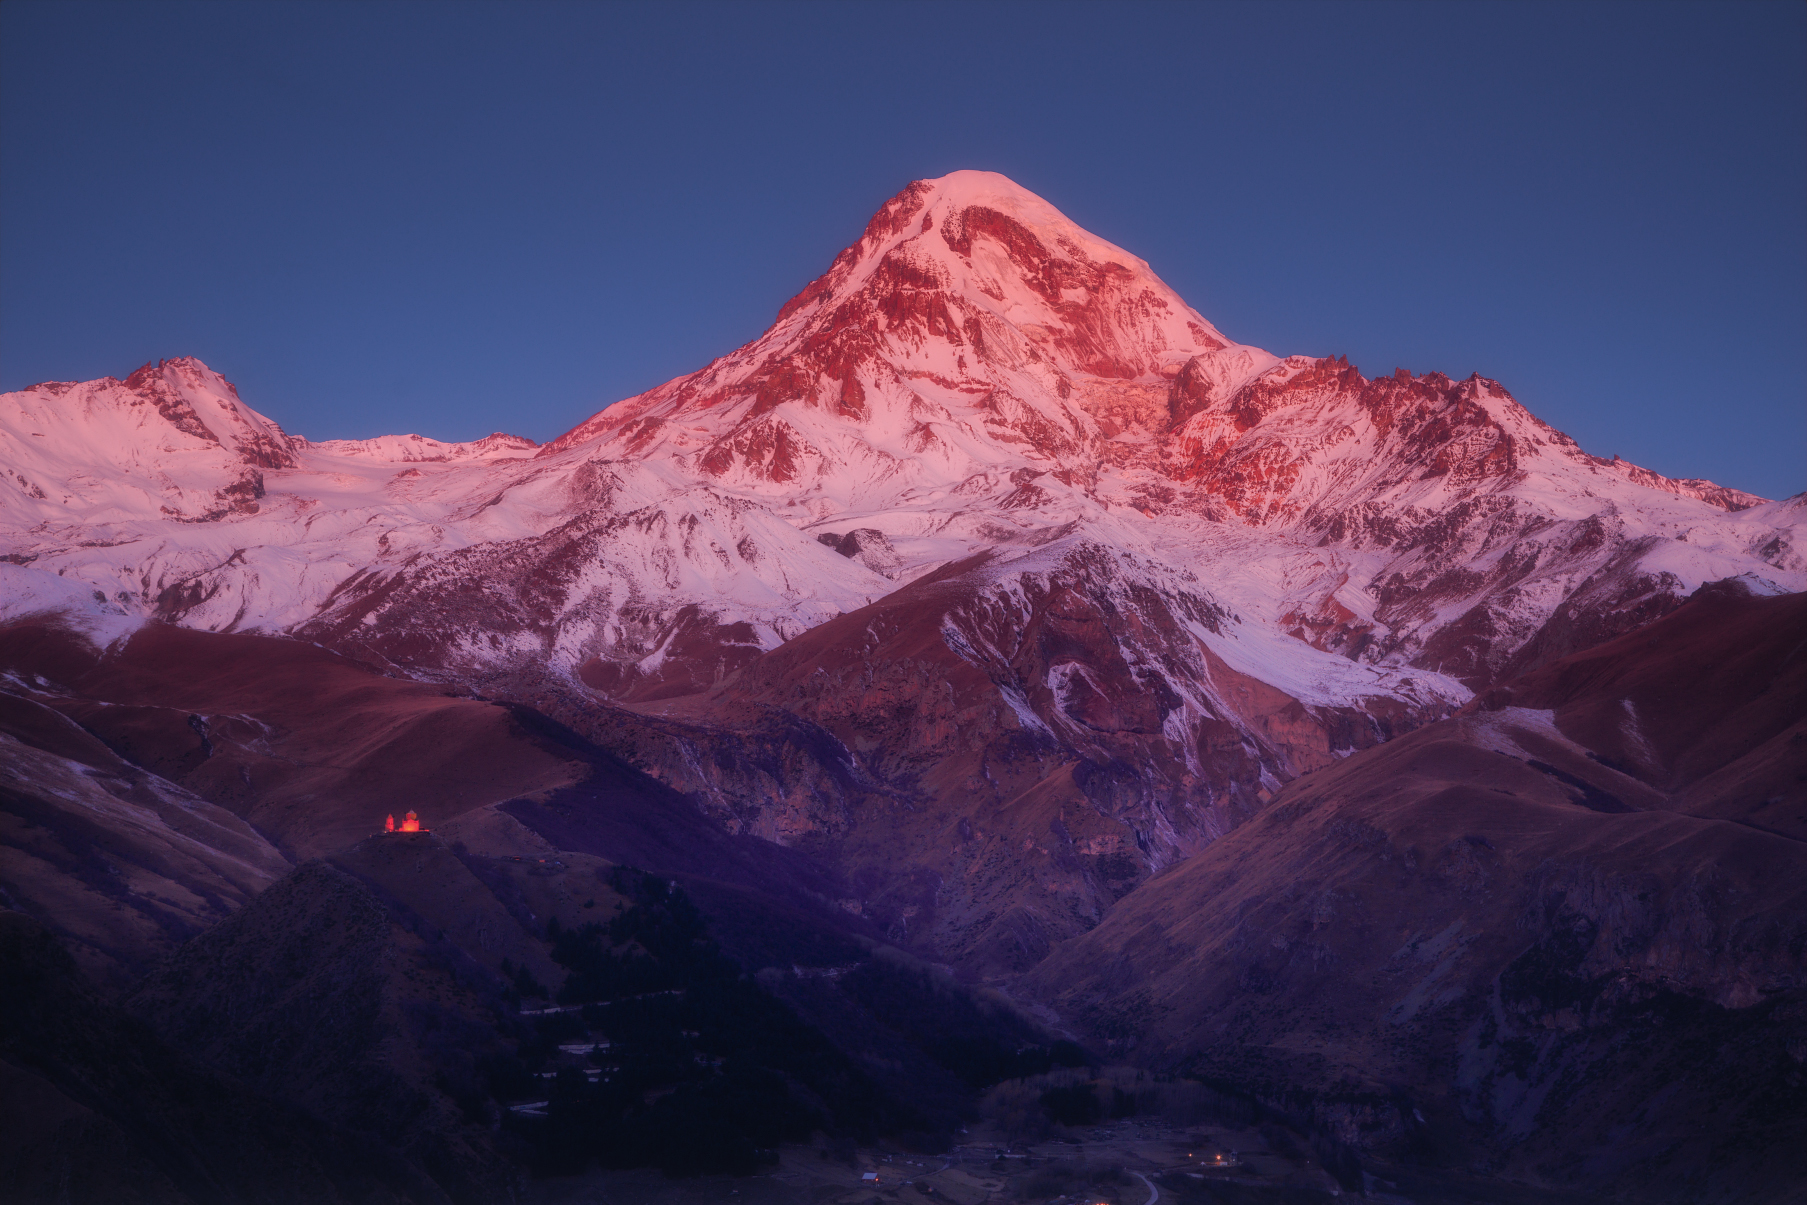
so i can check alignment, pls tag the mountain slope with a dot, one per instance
(172, 440)
(97, 1108)
(1504, 940)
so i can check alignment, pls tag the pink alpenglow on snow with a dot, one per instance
(976, 377)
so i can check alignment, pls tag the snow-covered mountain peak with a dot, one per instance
(199, 401)
(171, 441)
(1001, 254)
(972, 327)
(1039, 246)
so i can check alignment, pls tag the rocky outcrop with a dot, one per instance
(867, 545)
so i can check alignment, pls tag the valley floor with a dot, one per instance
(1118, 1165)
(1111, 1165)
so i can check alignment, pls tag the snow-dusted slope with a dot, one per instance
(165, 496)
(411, 449)
(976, 374)
(971, 332)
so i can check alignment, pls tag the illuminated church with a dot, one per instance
(410, 824)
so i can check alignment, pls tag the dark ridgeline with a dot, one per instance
(356, 992)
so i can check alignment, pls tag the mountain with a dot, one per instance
(989, 527)
(993, 604)
(976, 374)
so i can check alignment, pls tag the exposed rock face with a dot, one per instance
(868, 546)
(1055, 737)
(1519, 934)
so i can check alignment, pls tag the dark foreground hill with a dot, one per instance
(378, 991)
(98, 1108)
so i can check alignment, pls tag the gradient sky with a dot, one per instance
(457, 217)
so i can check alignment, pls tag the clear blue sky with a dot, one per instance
(452, 218)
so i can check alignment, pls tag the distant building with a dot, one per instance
(410, 824)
